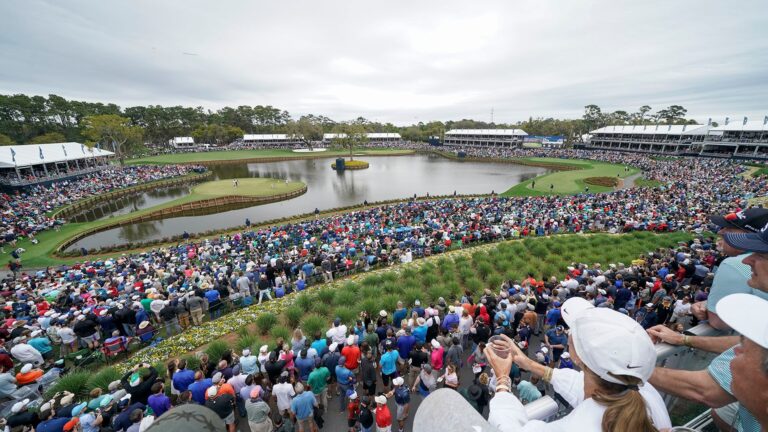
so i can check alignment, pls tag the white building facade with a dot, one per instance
(504, 138)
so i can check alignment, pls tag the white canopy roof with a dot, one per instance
(739, 126)
(265, 137)
(370, 135)
(38, 154)
(492, 132)
(183, 140)
(654, 130)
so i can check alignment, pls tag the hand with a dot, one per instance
(699, 310)
(661, 333)
(500, 366)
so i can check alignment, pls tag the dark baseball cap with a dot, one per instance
(752, 219)
(749, 242)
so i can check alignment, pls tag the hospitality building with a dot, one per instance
(744, 139)
(505, 138)
(274, 140)
(662, 139)
(24, 165)
(373, 137)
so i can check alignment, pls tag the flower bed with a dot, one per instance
(353, 165)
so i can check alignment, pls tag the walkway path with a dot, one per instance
(629, 182)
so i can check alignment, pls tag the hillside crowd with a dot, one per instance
(376, 360)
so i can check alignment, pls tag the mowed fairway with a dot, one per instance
(569, 182)
(233, 155)
(253, 187)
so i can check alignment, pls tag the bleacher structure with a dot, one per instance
(746, 139)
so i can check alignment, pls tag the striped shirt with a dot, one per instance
(720, 370)
(731, 278)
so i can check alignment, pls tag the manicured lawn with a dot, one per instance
(224, 155)
(568, 182)
(39, 255)
(256, 187)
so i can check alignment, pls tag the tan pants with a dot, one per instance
(184, 320)
(197, 316)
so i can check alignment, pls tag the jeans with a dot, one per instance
(263, 293)
(343, 396)
(129, 330)
(171, 325)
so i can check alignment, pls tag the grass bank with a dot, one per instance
(570, 181)
(257, 155)
(447, 275)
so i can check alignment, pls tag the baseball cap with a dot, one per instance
(750, 242)
(753, 325)
(573, 307)
(351, 394)
(752, 219)
(381, 399)
(18, 406)
(623, 348)
(398, 381)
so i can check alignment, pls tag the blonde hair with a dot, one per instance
(298, 334)
(625, 408)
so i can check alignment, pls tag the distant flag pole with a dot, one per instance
(65, 150)
(41, 152)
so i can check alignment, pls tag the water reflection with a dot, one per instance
(131, 203)
(387, 178)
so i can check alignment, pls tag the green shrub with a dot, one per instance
(216, 349)
(265, 321)
(293, 315)
(388, 277)
(193, 362)
(312, 324)
(75, 382)
(484, 270)
(350, 287)
(345, 298)
(326, 296)
(370, 305)
(244, 331)
(321, 308)
(411, 295)
(436, 291)
(346, 314)
(279, 331)
(474, 285)
(247, 341)
(494, 281)
(409, 273)
(429, 279)
(103, 378)
(304, 301)
(371, 281)
(388, 303)
(162, 370)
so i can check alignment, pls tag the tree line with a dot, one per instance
(37, 119)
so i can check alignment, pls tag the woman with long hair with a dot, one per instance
(611, 394)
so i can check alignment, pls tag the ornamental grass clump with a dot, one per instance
(313, 323)
(103, 378)
(280, 332)
(347, 315)
(304, 301)
(321, 308)
(326, 296)
(265, 321)
(216, 349)
(247, 341)
(75, 382)
(293, 316)
(345, 298)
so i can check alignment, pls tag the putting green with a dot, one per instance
(568, 182)
(233, 155)
(253, 187)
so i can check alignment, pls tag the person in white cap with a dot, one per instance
(610, 394)
(20, 416)
(402, 399)
(249, 364)
(382, 414)
(26, 353)
(749, 367)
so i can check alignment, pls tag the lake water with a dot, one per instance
(389, 177)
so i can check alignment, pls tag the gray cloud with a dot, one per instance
(394, 61)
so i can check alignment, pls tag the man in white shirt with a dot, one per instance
(284, 393)
(337, 333)
(25, 353)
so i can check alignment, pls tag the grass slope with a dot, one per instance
(568, 182)
(224, 155)
(447, 275)
(40, 255)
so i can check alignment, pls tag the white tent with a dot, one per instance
(21, 156)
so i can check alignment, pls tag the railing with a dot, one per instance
(15, 182)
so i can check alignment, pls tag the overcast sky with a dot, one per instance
(398, 61)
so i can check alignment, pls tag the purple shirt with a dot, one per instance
(159, 403)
